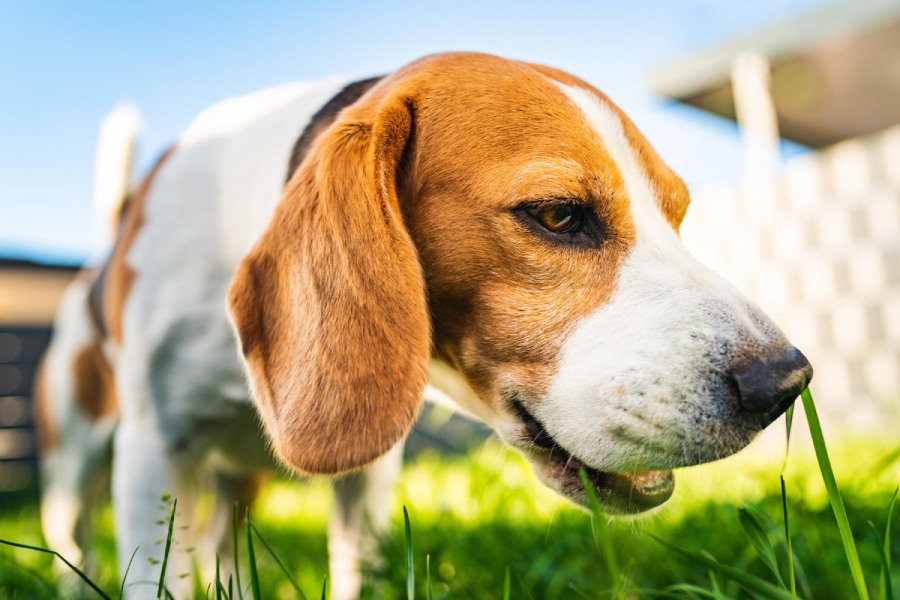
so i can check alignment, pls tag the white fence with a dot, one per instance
(819, 250)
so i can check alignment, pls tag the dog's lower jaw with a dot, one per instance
(619, 493)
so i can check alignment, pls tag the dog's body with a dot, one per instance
(501, 217)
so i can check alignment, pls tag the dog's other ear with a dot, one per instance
(330, 304)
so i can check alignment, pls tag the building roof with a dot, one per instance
(835, 72)
(21, 264)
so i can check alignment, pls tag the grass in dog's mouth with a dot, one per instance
(619, 492)
(796, 552)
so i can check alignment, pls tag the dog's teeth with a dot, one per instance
(574, 463)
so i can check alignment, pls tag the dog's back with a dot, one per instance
(151, 323)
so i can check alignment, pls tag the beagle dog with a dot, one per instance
(290, 268)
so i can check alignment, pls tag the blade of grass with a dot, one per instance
(325, 588)
(525, 588)
(219, 588)
(761, 543)
(886, 592)
(428, 593)
(686, 588)
(234, 541)
(783, 536)
(887, 529)
(75, 569)
(506, 586)
(278, 560)
(125, 577)
(788, 423)
(161, 588)
(749, 582)
(410, 574)
(251, 557)
(715, 588)
(787, 539)
(602, 531)
(572, 587)
(834, 494)
(767, 523)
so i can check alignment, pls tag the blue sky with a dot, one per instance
(63, 65)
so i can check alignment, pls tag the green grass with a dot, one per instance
(481, 526)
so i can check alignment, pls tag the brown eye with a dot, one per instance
(561, 218)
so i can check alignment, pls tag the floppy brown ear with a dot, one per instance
(330, 304)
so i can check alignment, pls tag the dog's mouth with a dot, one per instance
(619, 493)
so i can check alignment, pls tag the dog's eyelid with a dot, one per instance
(589, 230)
(550, 202)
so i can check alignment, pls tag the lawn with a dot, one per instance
(479, 515)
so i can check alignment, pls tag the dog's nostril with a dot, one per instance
(768, 384)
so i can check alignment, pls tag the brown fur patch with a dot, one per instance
(95, 392)
(492, 134)
(117, 274)
(330, 304)
(671, 191)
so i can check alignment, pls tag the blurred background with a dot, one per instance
(781, 115)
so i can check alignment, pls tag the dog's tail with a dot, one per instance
(114, 164)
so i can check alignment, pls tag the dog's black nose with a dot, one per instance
(769, 383)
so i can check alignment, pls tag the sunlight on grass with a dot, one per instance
(286, 503)
(478, 517)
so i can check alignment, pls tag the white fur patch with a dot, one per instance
(640, 380)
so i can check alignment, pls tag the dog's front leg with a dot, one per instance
(232, 493)
(147, 479)
(361, 515)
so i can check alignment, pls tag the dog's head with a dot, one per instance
(509, 219)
